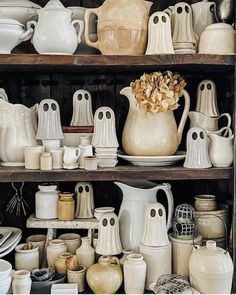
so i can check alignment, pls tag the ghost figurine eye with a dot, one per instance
(163, 18)
(80, 96)
(179, 10)
(153, 213)
(104, 222)
(187, 9)
(80, 189)
(202, 87)
(100, 115)
(54, 107)
(156, 19)
(87, 188)
(194, 136)
(209, 86)
(202, 136)
(86, 96)
(46, 107)
(108, 115)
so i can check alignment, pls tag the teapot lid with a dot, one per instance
(54, 4)
(19, 3)
(10, 21)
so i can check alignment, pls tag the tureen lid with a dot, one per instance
(10, 21)
(19, 3)
(54, 4)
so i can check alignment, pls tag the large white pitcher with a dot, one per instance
(136, 195)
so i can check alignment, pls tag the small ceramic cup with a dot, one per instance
(78, 277)
(90, 163)
(32, 156)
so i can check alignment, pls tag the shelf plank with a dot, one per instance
(32, 62)
(119, 173)
(90, 223)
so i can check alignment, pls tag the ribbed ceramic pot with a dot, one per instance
(21, 283)
(60, 263)
(54, 249)
(85, 253)
(72, 241)
(26, 259)
(135, 269)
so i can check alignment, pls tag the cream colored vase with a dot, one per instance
(121, 27)
(152, 134)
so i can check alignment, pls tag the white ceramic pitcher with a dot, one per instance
(136, 195)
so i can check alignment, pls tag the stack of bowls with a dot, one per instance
(5, 276)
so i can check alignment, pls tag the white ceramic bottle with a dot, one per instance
(85, 253)
(21, 283)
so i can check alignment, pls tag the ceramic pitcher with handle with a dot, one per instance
(136, 196)
(152, 134)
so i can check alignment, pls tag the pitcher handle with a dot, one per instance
(166, 187)
(88, 12)
(227, 115)
(81, 28)
(184, 115)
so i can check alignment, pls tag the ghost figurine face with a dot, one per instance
(85, 200)
(104, 128)
(159, 34)
(197, 149)
(82, 109)
(49, 121)
(207, 99)
(108, 235)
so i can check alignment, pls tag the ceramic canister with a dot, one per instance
(90, 163)
(72, 240)
(54, 249)
(32, 156)
(66, 207)
(38, 240)
(46, 161)
(57, 158)
(26, 259)
(85, 253)
(78, 277)
(21, 283)
(205, 203)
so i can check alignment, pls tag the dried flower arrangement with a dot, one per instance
(157, 92)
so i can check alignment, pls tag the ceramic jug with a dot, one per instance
(152, 134)
(55, 32)
(71, 155)
(221, 150)
(121, 27)
(17, 130)
(136, 195)
(210, 124)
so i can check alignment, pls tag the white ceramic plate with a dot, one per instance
(12, 247)
(5, 233)
(16, 233)
(154, 161)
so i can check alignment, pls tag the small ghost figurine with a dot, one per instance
(104, 128)
(82, 109)
(49, 121)
(197, 149)
(207, 99)
(108, 235)
(159, 34)
(85, 200)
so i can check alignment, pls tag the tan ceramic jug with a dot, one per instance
(121, 27)
(152, 134)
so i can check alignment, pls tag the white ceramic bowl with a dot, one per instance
(5, 285)
(5, 270)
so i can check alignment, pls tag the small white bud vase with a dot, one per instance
(211, 269)
(159, 34)
(85, 253)
(134, 274)
(82, 109)
(21, 283)
(85, 200)
(32, 156)
(26, 259)
(54, 249)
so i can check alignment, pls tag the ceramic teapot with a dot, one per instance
(55, 32)
(152, 134)
(121, 27)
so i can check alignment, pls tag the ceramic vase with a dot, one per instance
(105, 277)
(46, 202)
(32, 156)
(21, 283)
(211, 269)
(38, 240)
(108, 235)
(26, 259)
(151, 134)
(85, 200)
(121, 27)
(82, 109)
(78, 277)
(159, 34)
(72, 241)
(136, 196)
(54, 249)
(134, 274)
(86, 149)
(60, 263)
(66, 206)
(85, 253)
(197, 149)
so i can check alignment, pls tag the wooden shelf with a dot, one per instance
(119, 173)
(85, 63)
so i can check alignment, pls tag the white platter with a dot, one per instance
(152, 161)
(5, 234)
(16, 233)
(12, 247)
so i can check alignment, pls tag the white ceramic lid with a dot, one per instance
(10, 21)
(19, 3)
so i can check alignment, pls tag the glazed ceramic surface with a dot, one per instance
(205, 203)
(78, 277)
(211, 269)
(85, 253)
(46, 202)
(121, 27)
(39, 241)
(136, 196)
(72, 241)
(85, 200)
(32, 156)
(60, 263)
(82, 109)
(159, 34)
(26, 259)
(217, 39)
(138, 134)
(105, 277)
(21, 283)
(66, 207)
(55, 32)
(54, 249)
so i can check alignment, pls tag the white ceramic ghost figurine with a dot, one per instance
(159, 34)
(49, 121)
(104, 128)
(85, 200)
(197, 149)
(82, 109)
(108, 235)
(183, 35)
(207, 99)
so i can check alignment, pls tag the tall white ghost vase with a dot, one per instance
(159, 34)
(49, 124)
(85, 200)
(108, 235)
(207, 99)
(82, 109)
(197, 156)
